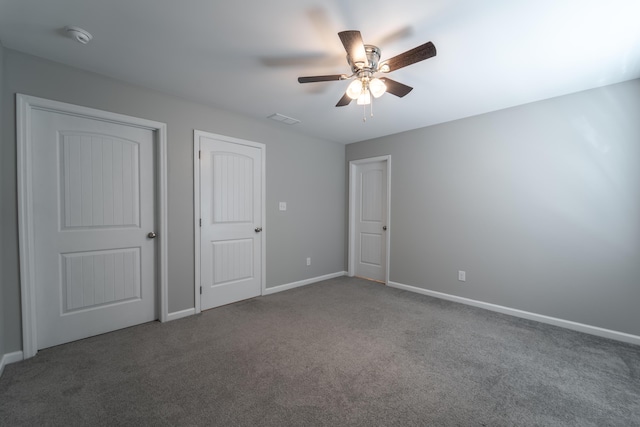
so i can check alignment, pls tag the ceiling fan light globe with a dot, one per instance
(364, 98)
(377, 87)
(355, 89)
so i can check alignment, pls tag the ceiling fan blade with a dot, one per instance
(409, 57)
(345, 100)
(353, 44)
(314, 79)
(396, 88)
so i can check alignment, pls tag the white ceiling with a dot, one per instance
(245, 55)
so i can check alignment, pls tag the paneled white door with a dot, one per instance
(371, 220)
(231, 221)
(93, 206)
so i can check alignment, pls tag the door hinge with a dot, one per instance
(200, 290)
(199, 154)
(200, 222)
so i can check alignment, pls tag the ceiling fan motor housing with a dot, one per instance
(373, 56)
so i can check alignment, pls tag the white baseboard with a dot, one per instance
(180, 314)
(268, 291)
(285, 287)
(568, 324)
(16, 356)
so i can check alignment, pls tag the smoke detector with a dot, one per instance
(78, 34)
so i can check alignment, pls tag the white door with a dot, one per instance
(93, 205)
(371, 220)
(231, 221)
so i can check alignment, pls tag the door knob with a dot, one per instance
(151, 235)
(258, 229)
(384, 227)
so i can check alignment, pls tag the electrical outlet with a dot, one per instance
(282, 206)
(309, 261)
(462, 276)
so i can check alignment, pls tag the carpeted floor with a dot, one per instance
(344, 352)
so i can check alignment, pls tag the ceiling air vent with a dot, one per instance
(283, 119)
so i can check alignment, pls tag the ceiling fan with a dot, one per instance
(364, 60)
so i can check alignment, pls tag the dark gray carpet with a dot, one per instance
(339, 352)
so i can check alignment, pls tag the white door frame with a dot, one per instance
(352, 213)
(25, 105)
(196, 206)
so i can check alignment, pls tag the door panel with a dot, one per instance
(371, 252)
(232, 261)
(232, 188)
(94, 202)
(92, 279)
(370, 215)
(231, 212)
(100, 185)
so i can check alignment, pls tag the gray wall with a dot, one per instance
(540, 204)
(307, 173)
(2, 211)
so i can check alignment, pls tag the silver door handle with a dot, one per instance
(152, 235)
(258, 229)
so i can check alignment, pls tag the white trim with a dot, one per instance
(196, 219)
(568, 324)
(162, 223)
(180, 314)
(196, 206)
(24, 106)
(352, 209)
(286, 287)
(14, 357)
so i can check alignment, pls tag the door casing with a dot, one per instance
(353, 165)
(25, 105)
(197, 213)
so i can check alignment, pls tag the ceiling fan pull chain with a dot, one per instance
(364, 114)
